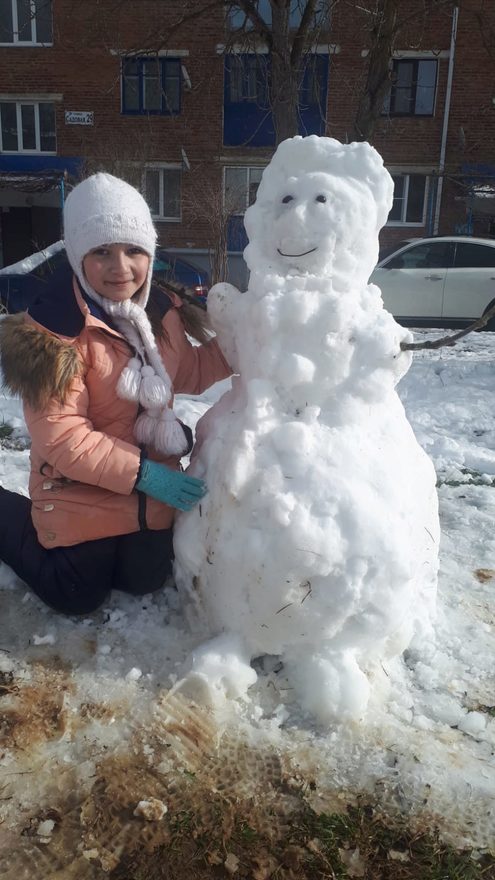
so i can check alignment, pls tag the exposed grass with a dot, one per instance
(357, 843)
(389, 849)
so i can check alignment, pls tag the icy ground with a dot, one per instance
(81, 698)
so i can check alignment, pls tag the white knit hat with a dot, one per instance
(106, 210)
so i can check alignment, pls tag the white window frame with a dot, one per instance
(34, 31)
(37, 151)
(402, 221)
(247, 168)
(161, 167)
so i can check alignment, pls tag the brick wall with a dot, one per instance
(83, 67)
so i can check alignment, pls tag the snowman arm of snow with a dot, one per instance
(223, 305)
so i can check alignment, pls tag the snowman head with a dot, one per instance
(319, 208)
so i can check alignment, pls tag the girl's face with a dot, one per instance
(116, 271)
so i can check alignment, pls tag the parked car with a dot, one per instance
(22, 282)
(444, 281)
(170, 267)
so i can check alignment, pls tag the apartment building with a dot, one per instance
(176, 100)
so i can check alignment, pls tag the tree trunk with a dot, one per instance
(378, 76)
(284, 85)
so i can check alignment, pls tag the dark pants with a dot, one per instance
(78, 579)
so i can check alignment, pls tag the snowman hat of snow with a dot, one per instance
(305, 155)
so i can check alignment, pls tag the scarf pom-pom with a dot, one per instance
(145, 428)
(153, 391)
(169, 435)
(129, 381)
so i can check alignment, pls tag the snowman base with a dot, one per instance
(329, 686)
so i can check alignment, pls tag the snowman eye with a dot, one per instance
(321, 198)
(287, 199)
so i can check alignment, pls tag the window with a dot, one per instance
(24, 22)
(151, 85)
(433, 255)
(409, 200)
(247, 118)
(27, 127)
(238, 20)
(413, 88)
(313, 91)
(241, 186)
(162, 187)
(474, 256)
(247, 79)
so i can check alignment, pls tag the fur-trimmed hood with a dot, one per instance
(36, 365)
(37, 356)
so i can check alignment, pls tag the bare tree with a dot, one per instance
(216, 209)
(288, 46)
(387, 22)
(383, 31)
(207, 204)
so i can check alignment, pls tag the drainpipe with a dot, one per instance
(445, 128)
(432, 192)
(62, 200)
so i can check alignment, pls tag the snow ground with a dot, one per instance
(75, 693)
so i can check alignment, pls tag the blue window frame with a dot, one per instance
(247, 114)
(151, 85)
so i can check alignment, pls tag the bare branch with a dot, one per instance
(196, 10)
(299, 43)
(450, 340)
(250, 10)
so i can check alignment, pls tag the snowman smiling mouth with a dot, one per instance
(297, 255)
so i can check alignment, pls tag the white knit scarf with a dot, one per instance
(145, 380)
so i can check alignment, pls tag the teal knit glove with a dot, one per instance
(171, 487)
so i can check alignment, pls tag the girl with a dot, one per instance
(97, 367)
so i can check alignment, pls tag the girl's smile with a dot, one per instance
(116, 271)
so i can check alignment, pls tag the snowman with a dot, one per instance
(318, 538)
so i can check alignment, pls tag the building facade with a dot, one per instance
(176, 99)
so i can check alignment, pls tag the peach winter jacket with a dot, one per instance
(84, 458)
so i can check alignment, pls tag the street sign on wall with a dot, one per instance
(79, 117)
